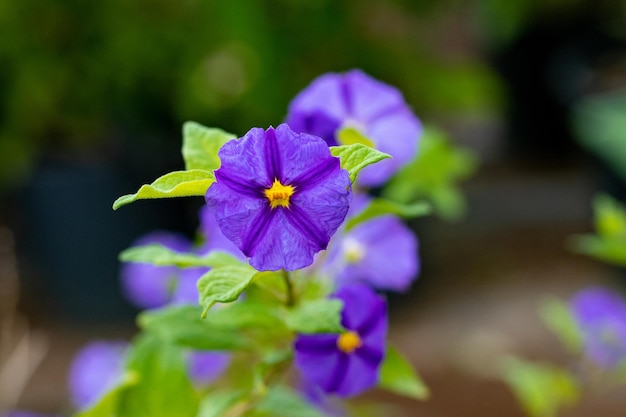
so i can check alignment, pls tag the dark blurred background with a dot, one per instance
(93, 96)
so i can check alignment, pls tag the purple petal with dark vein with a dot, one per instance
(316, 174)
(315, 368)
(240, 185)
(373, 356)
(273, 158)
(306, 226)
(359, 376)
(320, 344)
(258, 229)
(246, 158)
(338, 374)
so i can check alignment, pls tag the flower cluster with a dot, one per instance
(289, 207)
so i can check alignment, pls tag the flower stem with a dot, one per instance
(290, 300)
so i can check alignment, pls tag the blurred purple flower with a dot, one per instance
(381, 252)
(96, 368)
(187, 289)
(601, 315)
(279, 196)
(206, 367)
(150, 286)
(354, 99)
(347, 364)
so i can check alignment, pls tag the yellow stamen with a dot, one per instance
(279, 194)
(348, 342)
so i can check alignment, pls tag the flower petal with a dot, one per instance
(358, 376)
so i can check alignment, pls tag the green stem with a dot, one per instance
(290, 300)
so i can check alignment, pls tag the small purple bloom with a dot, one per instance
(601, 315)
(354, 99)
(206, 367)
(95, 369)
(187, 289)
(381, 252)
(150, 286)
(279, 196)
(347, 364)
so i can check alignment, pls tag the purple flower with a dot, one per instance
(206, 367)
(186, 289)
(601, 315)
(381, 252)
(279, 196)
(347, 364)
(354, 99)
(95, 369)
(150, 286)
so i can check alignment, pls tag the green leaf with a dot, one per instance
(350, 135)
(607, 249)
(433, 175)
(381, 207)
(356, 157)
(163, 389)
(159, 255)
(223, 285)
(201, 145)
(174, 184)
(281, 401)
(397, 375)
(217, 404)
(609, 216)
(558, 318)
(184, 326)
(542, 389)
(107, 405)
(316, 316)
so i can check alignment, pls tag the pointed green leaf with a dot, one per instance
(316, 316)
(350, 135)
(397, 375)
(559, 319)
(542, 389)
(381, 207)
(356, 157)
(223, 285)
(201, 144)
(174, 184)
(159, 255)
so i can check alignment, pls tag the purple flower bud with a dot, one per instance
(347, 364)
(279, 196)
(96, 368)
(601, 315)
(354, 99)
(150, 286)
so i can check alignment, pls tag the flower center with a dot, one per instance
(353, 251)
(348, 342)
(279, 194)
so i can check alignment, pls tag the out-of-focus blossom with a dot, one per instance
(96, 368)
(354, 99)
(381, 252)
(206, 367)
(279, 196)
(601, 315)
(347, 364)
(150, 286)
